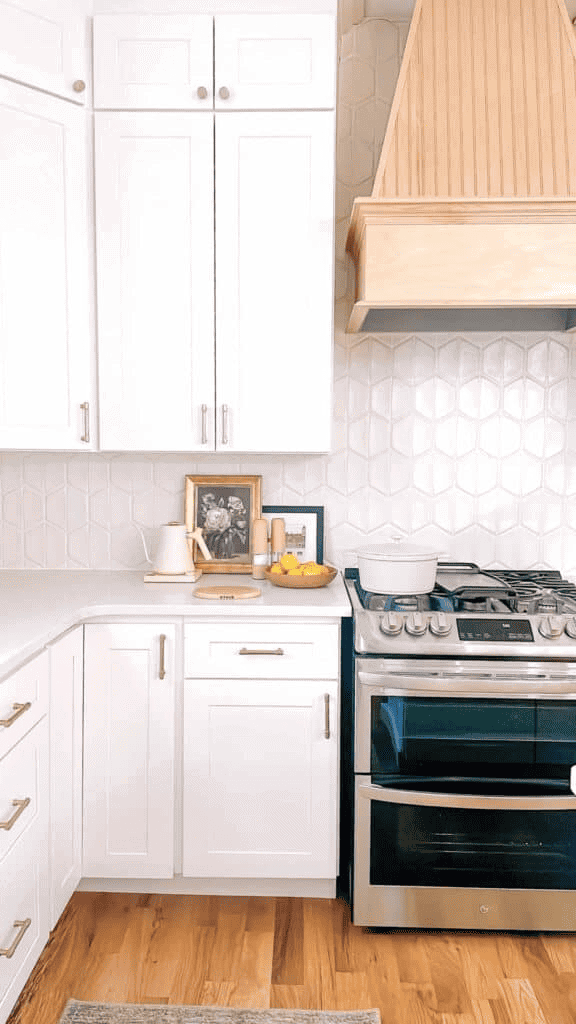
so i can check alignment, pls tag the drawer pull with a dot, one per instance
(20, 806)
(23, 926)
(162, 669)
(248, 650)
(19, 709)
(327, 716)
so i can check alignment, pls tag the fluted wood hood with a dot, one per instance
(472, 219)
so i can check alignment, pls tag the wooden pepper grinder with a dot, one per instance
(277, 539)
(259, 548)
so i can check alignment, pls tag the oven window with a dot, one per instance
(503, 849)
(417, 736)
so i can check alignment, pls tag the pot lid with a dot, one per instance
(397, 551)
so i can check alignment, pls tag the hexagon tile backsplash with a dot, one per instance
(467, 443)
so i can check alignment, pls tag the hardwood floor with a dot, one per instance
(296, 953)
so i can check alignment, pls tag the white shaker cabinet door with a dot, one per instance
(46, 355)
(260, 779)
(153, 62)
(43, 43)
(66, 689)
(274, 61)
(155, 267)
(274, 281)
(129, 751)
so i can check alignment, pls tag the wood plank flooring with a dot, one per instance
(298, 953)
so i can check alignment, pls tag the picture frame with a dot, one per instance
(225, 508)
(304, 529)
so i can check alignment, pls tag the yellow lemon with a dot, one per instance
(276, 569)
(289, 561)
(296, 571)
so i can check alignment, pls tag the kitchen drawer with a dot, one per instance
(23, 898)
(29, 685)
(261, 650)
(23, 787)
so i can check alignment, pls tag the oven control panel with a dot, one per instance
(495, 630)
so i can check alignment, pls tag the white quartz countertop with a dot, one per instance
(38, 605)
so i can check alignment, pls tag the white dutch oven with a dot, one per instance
(398, 567)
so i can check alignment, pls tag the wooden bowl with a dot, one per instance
(302, 582)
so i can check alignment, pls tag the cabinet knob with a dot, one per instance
(79, 85)
(201, 92)
(224, 93)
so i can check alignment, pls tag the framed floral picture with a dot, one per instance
(224, 507)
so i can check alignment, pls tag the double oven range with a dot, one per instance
(461, 781)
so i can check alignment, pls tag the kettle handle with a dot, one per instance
(197, 536)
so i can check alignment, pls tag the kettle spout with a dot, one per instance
(141, 532)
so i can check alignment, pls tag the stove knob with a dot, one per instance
(570, 627)
(439, 625)
(415, 624)
(391, 624)
(551, 626)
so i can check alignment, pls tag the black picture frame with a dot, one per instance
(287, 512)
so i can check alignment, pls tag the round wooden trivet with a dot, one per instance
(227, 593)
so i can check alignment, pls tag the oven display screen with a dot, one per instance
(495, 630)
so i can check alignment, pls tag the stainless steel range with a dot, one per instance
(463, 753)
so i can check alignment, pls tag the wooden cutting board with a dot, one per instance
(227, 593)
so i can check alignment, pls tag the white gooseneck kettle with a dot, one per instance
(173, 556)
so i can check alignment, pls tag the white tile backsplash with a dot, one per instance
(464, 442)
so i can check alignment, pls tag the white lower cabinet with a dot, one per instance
(129, 716)
(260, 779)
(24, 827)
(66, 679)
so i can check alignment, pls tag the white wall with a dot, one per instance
(466, 442)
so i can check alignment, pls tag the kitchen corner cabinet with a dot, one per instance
(46, 358)
(66, 700)
(129, 711)
(214, 240)
(43, 44)
(260, 769)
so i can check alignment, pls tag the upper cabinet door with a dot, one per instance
(153, 62)
(274, 280)
(43, 44)
(155, 296)
(46, 360)
(268, 61)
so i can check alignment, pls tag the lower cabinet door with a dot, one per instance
(129, 751)
(260, 779)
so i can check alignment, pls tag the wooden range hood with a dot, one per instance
(472, 220)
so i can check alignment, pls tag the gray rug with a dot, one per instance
(136, 1013)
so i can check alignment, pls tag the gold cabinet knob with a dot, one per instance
(224, 93)
(79, 85)
(202, 92)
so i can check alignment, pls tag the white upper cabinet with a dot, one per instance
(155, 265)
(269, 61)
(43, 44)
(150, 62)
(190, 62)
(274, 267)
(46, 358)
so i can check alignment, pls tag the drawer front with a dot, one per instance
(258, 651)
(23, 786)
(23, 913)
(24, 700)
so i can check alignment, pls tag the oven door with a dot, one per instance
(464, 854)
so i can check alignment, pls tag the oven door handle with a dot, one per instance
(422, 798)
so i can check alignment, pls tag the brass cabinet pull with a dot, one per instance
(204, 438)
(85, 406)
(224, 424)
(19, 709)
(247, 650)
(162, 669)
(23, 926)
(20, 806)
(202, 92)
(79, 85)
(224, 93)
(327, 716)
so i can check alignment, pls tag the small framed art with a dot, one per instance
(225, 508)
(304, 529)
